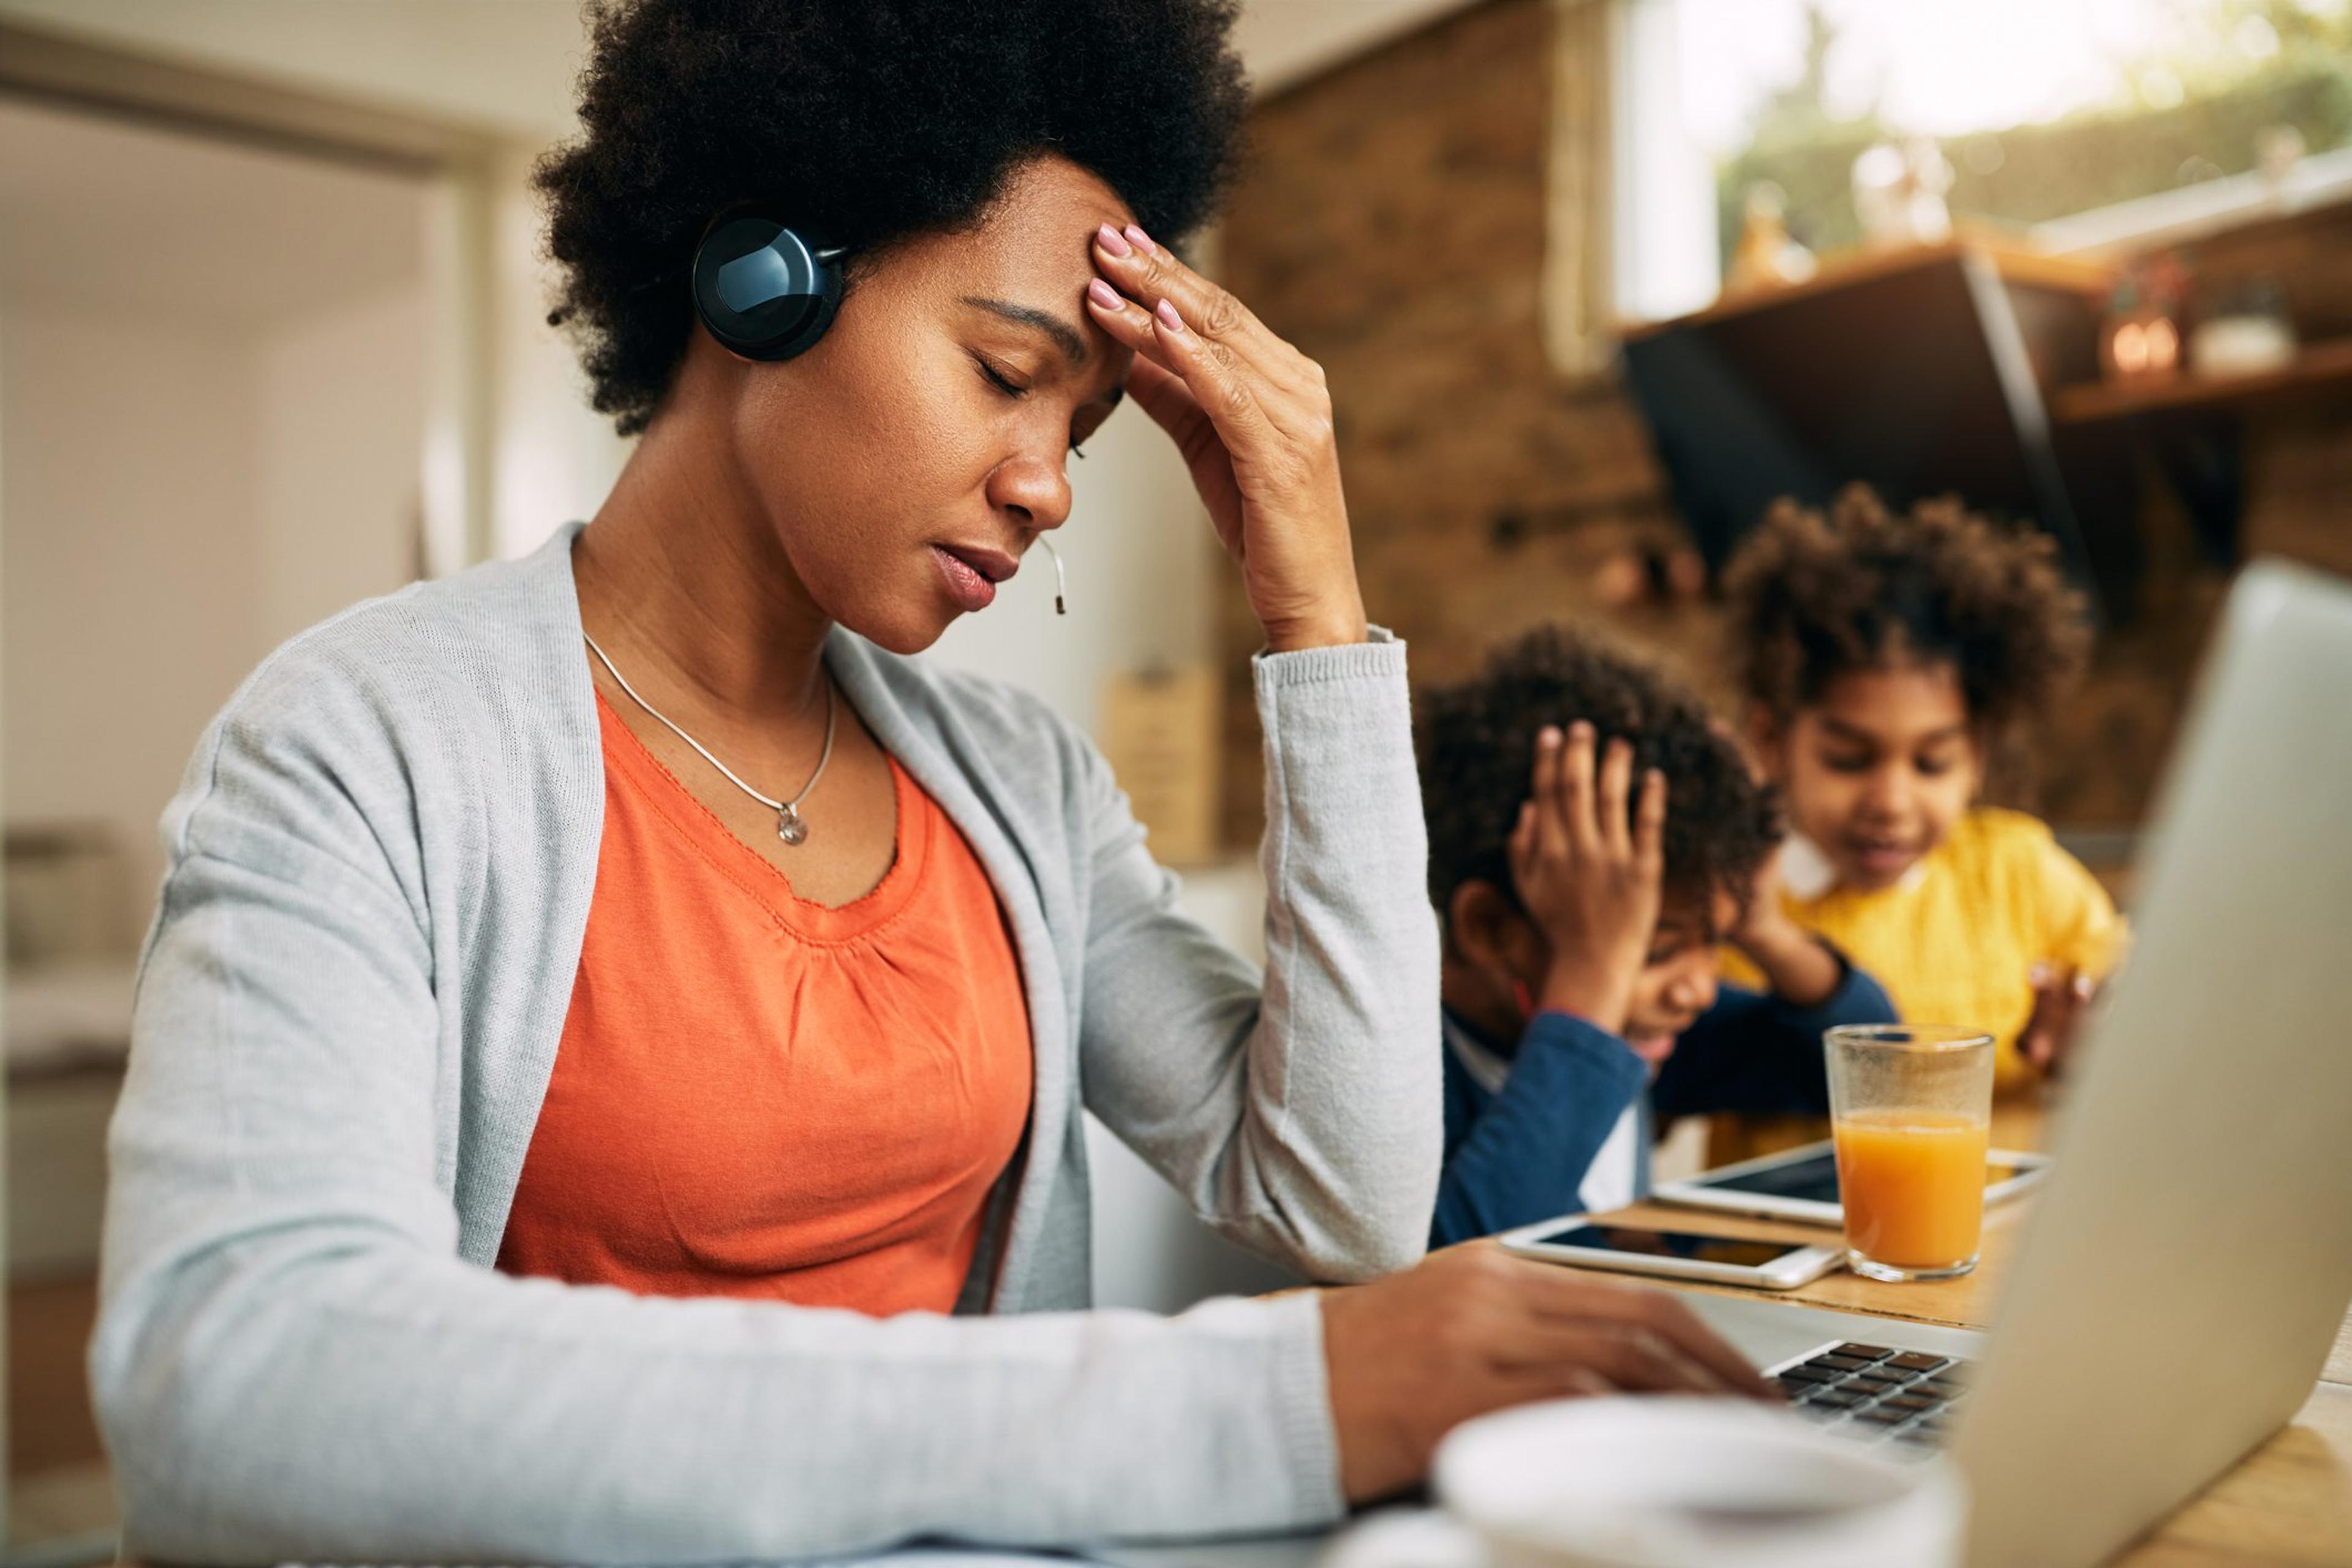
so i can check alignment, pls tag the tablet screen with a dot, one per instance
(1814, 1178)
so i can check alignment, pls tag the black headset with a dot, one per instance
(762, 288)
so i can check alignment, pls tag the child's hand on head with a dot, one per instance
(1761, 918)
(1588, 861)
(1795, 965)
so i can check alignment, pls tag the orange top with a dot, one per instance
(758, 1096)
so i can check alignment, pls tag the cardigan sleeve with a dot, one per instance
(1297, 1110)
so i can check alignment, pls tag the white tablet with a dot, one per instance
(1581, 1240)
(1800, 1184)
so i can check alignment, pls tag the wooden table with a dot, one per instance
(2288, 1505)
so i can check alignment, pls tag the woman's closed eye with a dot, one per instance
(1079, 431)
(999, 380)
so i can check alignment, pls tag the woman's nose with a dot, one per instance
(1035, 493)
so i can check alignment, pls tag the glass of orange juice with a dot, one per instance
(1911, 1112)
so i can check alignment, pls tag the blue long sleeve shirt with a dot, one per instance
(1523, 1131)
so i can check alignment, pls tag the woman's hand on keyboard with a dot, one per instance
(1473, 1328)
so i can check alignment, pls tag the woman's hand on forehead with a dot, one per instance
(1253, 417)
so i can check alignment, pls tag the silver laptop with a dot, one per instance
(2178, 1291)
(2179, 1286)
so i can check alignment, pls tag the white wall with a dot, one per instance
(130, 613)
(206, 452)
(338, 459)
(178, 500)
(554, 457)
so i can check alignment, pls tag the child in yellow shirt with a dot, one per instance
(1885, 659)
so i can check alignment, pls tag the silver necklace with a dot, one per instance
(788, 825)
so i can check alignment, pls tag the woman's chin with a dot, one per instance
(902, 628)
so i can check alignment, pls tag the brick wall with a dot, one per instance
(1392, 226)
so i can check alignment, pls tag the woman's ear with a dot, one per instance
(1490, 934)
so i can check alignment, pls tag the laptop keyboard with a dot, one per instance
(1876, 1392)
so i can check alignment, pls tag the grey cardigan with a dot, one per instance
(380, 868)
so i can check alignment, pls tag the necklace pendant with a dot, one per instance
(790, 827)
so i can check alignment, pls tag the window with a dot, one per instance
(2087, 120)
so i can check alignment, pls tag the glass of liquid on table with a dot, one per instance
(1910, 1114)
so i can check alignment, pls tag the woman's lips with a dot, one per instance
(967, 576)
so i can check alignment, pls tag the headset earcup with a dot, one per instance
(762, 289)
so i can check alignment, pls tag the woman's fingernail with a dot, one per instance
(1103, 294)
(1110, 240)
(1169, 318)
(1142, 240)
(1548, 735)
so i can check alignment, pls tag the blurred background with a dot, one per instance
(1593, 280)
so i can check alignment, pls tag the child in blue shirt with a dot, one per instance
(1594, 836)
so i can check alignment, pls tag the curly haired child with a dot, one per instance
(1594, 836)
(1885, 658)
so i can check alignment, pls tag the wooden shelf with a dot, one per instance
(2321, 367)
(2014, 264)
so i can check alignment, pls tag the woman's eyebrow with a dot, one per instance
(1066, 336)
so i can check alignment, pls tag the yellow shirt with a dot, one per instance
(1955, 941)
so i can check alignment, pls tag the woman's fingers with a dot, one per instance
(1163, 395)
(1628, 1356)
(1160, 393)
(1208, 370)
(1571, 1299)
(1127, 322)
(1148, 273)
(1559, 1382)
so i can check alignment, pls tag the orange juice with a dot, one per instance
(1913, 1185)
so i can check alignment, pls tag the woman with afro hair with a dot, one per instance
(608, 1063)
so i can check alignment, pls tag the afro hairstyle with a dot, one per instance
(1813, 596)
(864, 121)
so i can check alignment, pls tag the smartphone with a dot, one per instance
(1801, 1184)
(1580, 1240)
